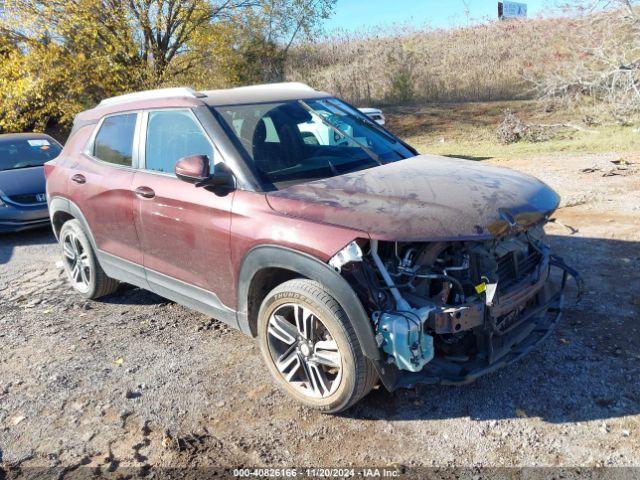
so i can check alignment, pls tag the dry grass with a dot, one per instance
(485, 62)
(469, 130)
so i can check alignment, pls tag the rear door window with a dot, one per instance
(172, 135)
(114, 141)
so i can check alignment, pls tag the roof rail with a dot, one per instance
(281, 86)
(150, 95)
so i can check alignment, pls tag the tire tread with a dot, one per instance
(365, 373)
(104, 285)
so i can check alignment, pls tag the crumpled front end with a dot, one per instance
(449, 312)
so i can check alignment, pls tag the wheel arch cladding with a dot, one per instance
(281, 260)
(59, 218)
(61, 210)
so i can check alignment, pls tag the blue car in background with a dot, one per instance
(23, 201)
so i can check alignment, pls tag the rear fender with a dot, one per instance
(61, 204)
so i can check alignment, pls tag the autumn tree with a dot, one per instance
(269, 33)
(58, 57)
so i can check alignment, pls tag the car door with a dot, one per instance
(184, 230)
(101, 186)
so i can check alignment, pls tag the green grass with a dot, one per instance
(469, 130)
(478, 144)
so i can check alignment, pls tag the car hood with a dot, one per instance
(426, 197)
(22, 181)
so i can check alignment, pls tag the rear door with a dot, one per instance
(184, 230)
(101, 186)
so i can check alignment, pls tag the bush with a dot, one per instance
(513, 130)
(400, 72)
(600, 70)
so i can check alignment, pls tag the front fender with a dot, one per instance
(270, 256)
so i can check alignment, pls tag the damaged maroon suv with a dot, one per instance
(293, 217)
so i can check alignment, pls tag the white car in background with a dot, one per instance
(374, 114)
(317, 132)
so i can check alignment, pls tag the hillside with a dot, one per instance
(493, 61)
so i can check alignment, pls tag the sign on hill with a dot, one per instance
(512, 10)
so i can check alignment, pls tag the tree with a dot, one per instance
(252, 46)
(285, 21)
(141, 33)
(61, 56)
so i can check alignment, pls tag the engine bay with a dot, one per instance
(454, 302)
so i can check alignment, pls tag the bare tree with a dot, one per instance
(605, 64)
(467, 10)
(165, 26)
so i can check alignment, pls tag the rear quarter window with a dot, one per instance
(114, 141)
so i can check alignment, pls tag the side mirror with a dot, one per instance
(193, 169)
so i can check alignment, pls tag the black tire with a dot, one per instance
(98, 284)
(358, 375)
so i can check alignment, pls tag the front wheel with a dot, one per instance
(311, 348)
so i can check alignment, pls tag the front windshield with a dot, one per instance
(296, 141)
(24, 153)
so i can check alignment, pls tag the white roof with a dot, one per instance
(252, 94)
(151, 95)
(264, 88)
(262, 93)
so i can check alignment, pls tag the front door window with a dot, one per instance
(172, 135)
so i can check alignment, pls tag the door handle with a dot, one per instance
(145, 192)
(79, 178)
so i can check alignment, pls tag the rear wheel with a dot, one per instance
(80, 263)
(311, 348)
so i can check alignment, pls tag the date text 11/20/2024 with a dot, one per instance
(317, 473)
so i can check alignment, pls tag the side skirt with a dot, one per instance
(193, 297)
(190, 296)
(123, 270)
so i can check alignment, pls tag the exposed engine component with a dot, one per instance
(401, 303)
(456, 300)
(401, 333)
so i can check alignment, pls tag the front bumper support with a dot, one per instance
(502, 350)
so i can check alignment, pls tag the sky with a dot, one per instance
(355, 14)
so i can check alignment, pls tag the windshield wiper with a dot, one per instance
(364, 119)
(374, 156)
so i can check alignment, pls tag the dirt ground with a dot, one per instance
(134, 380)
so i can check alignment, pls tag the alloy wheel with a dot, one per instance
(77, 261)
(304, 351)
